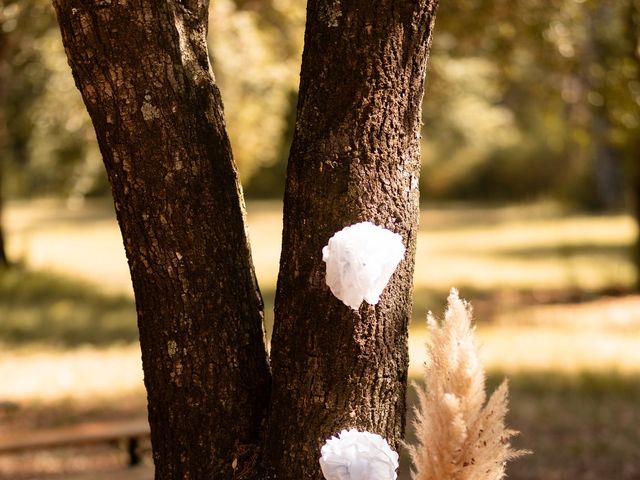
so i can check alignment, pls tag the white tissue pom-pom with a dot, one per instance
(360, 261)
(354, 455)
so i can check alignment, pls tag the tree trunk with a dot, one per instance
(608, 180)
(633, 28)
(355, 157)
(143, 70)
(635, 193)
(4, 260)
(4, 80)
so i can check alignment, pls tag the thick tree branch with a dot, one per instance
(355, 157)
(143, 70)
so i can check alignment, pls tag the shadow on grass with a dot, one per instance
(488, 303)
(56, 213)
(460, 216)
(614, 252)
(44, 308)
(579, 426)
(485, 303)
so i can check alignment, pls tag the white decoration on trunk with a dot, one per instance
(360, 261)
(355, 455)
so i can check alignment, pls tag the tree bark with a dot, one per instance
(143, 70)
(355, 157)
(144, 74)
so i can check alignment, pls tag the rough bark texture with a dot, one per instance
(355, 157)
(143, 70)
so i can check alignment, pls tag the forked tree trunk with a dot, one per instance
(355, 157)
(143, 69)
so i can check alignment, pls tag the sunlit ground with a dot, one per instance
(550, 290)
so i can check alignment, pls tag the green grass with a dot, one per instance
(41, 308)
(545, 284)
(582, 426)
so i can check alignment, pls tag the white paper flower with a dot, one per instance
(360, 261)
(355, 455)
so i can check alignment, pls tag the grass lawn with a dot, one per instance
(551, 292)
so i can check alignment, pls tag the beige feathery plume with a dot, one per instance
(458, 436)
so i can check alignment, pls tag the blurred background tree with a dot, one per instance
(633, 32)
(529, 100)
(541, 102)
(50, 147)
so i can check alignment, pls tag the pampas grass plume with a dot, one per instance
(459, 436)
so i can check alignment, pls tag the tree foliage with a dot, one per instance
(542, 84)
(50, 146)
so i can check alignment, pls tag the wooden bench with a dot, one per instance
(131, 431)
(141, 472)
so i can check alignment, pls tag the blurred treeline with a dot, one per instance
(525, 99)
